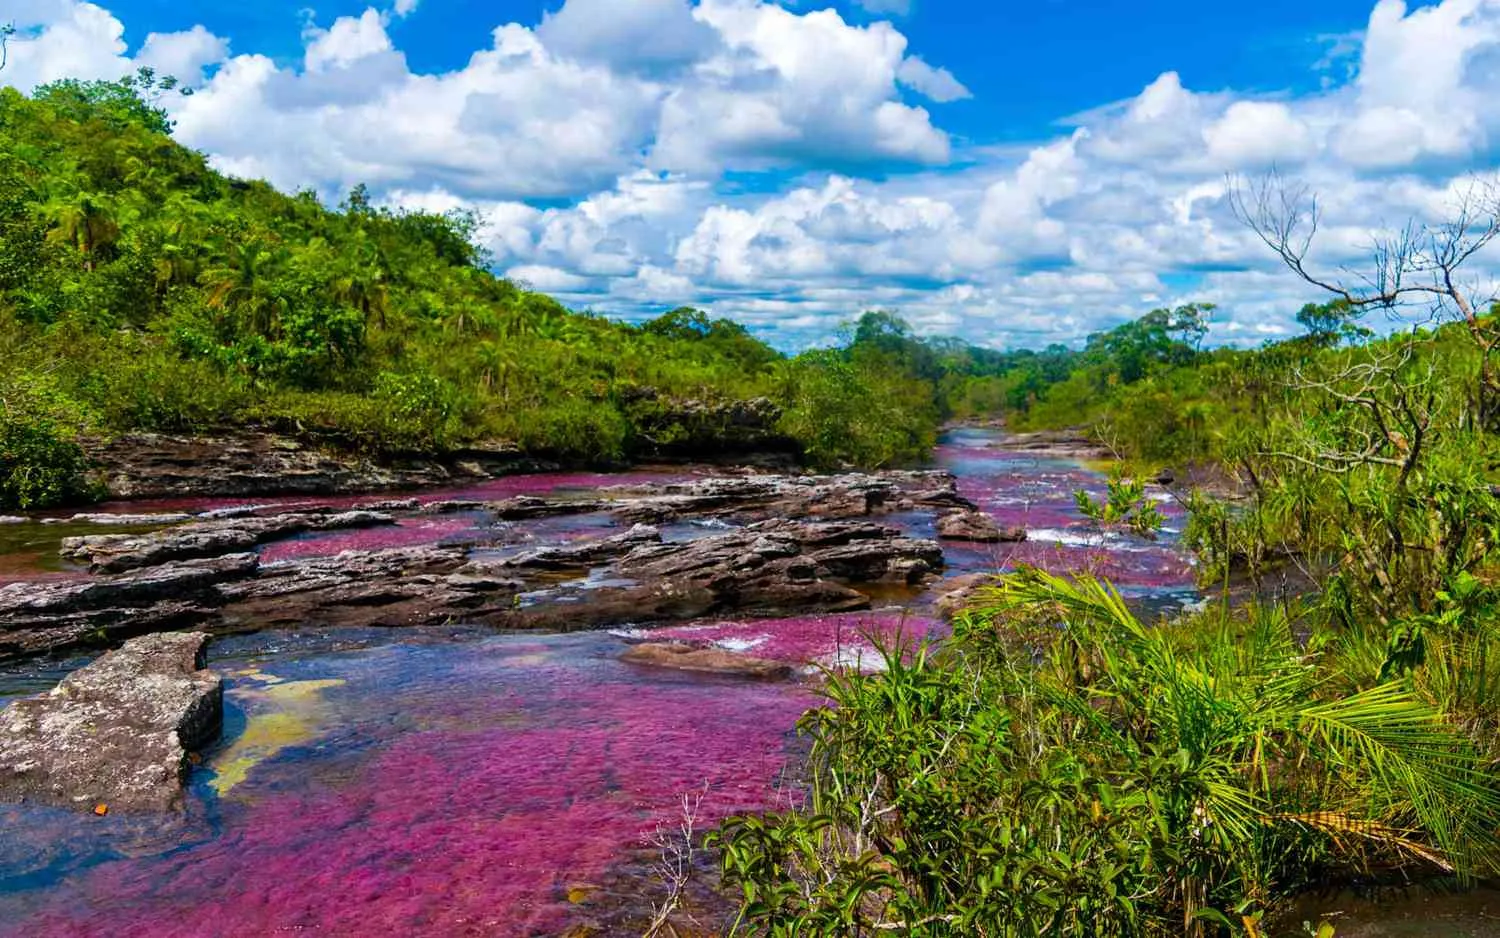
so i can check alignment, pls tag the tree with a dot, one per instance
(132, 100)
(241, 283)
(82, 220)
(7, 30)
(1419, 265)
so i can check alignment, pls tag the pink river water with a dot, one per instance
(454, 782)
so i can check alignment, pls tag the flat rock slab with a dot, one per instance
(116, 732)
(977, 527)
(116, 553)
(681, 656)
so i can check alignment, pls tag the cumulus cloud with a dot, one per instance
(936, 83)
(594, 144)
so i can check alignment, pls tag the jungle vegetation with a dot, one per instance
(141, 290)
(1331, 717)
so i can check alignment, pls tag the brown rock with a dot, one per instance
(116, 732)
(976, 526)
(115, 553)
(685, 657)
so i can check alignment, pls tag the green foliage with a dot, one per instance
(1125, 504)
(39, 467)
(852, 411)
(1104, 779)
(165, 296)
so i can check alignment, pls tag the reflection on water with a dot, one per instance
(452, 782)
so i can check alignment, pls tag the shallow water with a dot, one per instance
(454, 782)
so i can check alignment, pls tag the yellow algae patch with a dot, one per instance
(256, 674)
(289, 715)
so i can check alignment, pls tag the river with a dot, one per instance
(452, 781)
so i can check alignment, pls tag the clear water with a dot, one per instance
(454, 782)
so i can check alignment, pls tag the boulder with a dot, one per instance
(117, 732)
(684, 657)
(976, 526)
(958, 593)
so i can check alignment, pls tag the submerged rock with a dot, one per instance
(117, 732)
(978, 527)
(684, 657)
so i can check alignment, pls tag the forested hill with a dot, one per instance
(142, 290)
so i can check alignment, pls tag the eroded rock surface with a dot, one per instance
(115, 553)
(682, 656)
(40, 617)
(148, 465)
(116, 732)
(205, 574)
(976, 526)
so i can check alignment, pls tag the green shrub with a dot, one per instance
(1106, 780)
(39, 467)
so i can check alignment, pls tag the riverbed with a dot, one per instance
(455, 781)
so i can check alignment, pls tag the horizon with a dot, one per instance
(790, 166)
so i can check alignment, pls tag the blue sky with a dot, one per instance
(1017, 173)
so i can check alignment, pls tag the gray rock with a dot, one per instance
(116, 732)
(39, 617)
(976, 526)
(115, 553)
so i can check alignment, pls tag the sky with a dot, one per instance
(1014, 173)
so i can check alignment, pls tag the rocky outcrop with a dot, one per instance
(774, 496)
(117, 732)
(38, 617)
(958, 593)
(587, 553)
(976, 526)
(115, 553)
(768, 568)
(250, 463)
(1059, 444)
(681, 656)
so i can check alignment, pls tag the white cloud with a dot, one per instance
(183, 55)
(628, 33)
(936, 83)
(1256, 134)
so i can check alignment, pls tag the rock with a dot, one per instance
(684, 657)
(38, 617)
(256, 463)
(956, 594)
(760, 497)
(526, 506)
(11, 519)
(129, 520)
(1164, 477)
(767, 568)
(395, 587)
(976, 526)
(115, 553)
(116, 732)
(587, 553)
(1059, 444)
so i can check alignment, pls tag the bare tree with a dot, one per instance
(7, 30)
(1420, 264)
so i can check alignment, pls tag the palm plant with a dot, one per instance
(1065, 770)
